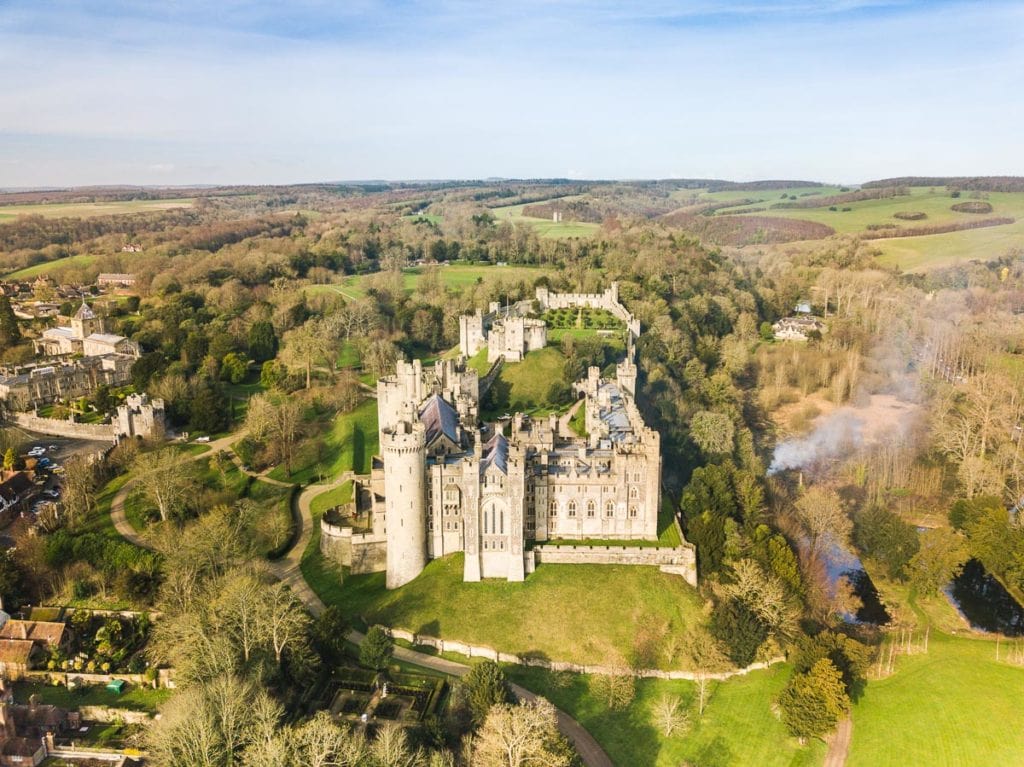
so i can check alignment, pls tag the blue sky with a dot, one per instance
(187, 91)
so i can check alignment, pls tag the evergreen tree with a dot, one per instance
(262, 341)
(739, 629)
(485, 686)
(209, 410)
(10, 333)
(814, 700)
(376, 649)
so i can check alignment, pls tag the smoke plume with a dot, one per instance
(837, 434)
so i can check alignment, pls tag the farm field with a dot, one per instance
(90, 209)
(935, 203)
(453, 276)
(579, 613)
(738, 726)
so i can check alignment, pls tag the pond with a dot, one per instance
(842, 563)
(984, 603)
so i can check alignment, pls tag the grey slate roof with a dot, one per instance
(495, 454)
(440, 418)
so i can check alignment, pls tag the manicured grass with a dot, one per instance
(581, 613)
(323, 576)
(668, 531)
(479, 362)
(192, 448)
(737, 727)
(953, 706)
(240, 394)
(528, 382)
(578, 422)
(349, 445)
(134, 697)
(348, 356)
(331, 498)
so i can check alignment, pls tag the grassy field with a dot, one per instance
(453, 276)
(545, 227)
(581, 613)
(348, 445)
(135, 697)
(737, 729)
(918, 254)
(953, 706)
(90, 209)
(81, 260)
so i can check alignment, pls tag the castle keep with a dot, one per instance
(446, 483)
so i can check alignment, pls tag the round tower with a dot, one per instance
(404, 450)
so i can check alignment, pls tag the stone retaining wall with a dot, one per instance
(475, 651)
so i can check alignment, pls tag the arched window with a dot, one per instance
(501, 527)
(634, 492)
(591, 508)
(609, 509)
(553, 508)
(572, 508)
(632, 511)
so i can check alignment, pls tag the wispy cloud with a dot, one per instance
(191, 91)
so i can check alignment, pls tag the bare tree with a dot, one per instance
(165, 480)
(705, 658)
(79, 487)
(523, 735)
(615, 690)
(820, 514)
(287, 620)
(670, 715)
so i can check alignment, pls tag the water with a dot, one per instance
(983, 601)
(841, 563)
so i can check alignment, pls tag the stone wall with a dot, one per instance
(59, 427)
(476, 651)
(362, 552)
(681, 560)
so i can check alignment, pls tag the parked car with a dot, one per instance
(202, 439)
(53, 447)
(37, 451)
(57, 469)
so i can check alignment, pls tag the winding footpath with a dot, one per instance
(288, 569)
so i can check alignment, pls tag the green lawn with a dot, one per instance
(134, 697)
(919, 254)
(348, 445)
(737, 729)
(240, 394)
(331, 498)
(953, 706)
(580, 613)
(523, 386)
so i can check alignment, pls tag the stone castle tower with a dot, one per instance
(404, 450)
(85, 322)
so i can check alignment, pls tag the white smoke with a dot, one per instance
(839, 433)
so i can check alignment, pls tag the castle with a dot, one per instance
(445, 483)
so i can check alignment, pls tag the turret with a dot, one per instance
(403, 448)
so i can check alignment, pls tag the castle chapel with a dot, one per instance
(446, 483)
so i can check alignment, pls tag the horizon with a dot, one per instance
(254, 93)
